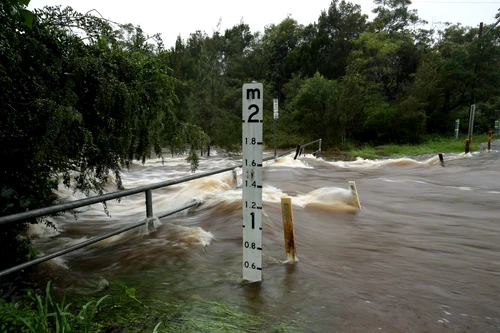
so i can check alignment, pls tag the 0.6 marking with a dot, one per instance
(252, 266)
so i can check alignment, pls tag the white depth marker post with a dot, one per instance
(354, 194)
(253, 95)
(275, 117)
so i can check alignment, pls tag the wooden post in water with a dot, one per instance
(354, 194)
(441, 159)
(287, 214)
(467, 146)
(490, 133)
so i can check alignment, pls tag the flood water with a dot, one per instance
(422, 256)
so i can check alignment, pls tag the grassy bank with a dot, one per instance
(431, 146)
(123, 312)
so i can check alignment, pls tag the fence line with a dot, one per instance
(90, 241)
(147, 189)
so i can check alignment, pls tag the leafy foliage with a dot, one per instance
(42, 314)
(79, 98)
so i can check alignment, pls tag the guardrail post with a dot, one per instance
(490, 133)
(287, 215)
(235, 178)
(467, 147)
(441, 159)
(297, 152)
(149, 203)
(319, 149)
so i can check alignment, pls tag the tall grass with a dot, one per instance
(37, 314)
(42, 314)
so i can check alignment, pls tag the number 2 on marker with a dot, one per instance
(250, 118)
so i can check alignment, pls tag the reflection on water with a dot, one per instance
(423, 255)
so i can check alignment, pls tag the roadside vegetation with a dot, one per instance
(123, 312)
(431, 146)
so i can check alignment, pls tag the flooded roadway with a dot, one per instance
(422, 256)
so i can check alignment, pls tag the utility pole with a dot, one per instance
(472, 97)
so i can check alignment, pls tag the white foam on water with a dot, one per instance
(367, 163)
(324, 195)
(269, 194)
(272, 194)
(188, 236)
(41, 230)
(59, 261)
(288, 161)
(464, 188)
(392, 180)
(404, 161)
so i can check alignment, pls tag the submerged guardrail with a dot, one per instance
(147, 189)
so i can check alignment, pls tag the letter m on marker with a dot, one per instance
(251, 93)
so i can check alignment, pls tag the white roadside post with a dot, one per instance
(253, 95)
(275, 116)
(354, 194)
(471, 122)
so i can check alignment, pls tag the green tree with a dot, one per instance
(278, 43)
(337, 27)
(314, 110)
(394, 16)
(77, 101)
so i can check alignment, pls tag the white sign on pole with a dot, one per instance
(471, 119)
(253, 95)
(275, 108)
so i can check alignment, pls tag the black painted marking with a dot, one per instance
(259, 248)
(259, 143)
(260, 121)
(259, 268)
(243, 225)
(252, 92)
(259, 165)
(259, 207)
(242, 120)
(259, 186)
(260, 228)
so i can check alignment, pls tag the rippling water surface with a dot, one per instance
(422, 256)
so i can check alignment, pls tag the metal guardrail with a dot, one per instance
(301, 148)
(147, 189)
(90, 241)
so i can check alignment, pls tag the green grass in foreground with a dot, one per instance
(434, 145)
(125, 313)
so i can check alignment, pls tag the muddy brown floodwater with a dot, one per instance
(422, 256)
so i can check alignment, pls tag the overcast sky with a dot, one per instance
(182, 17)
